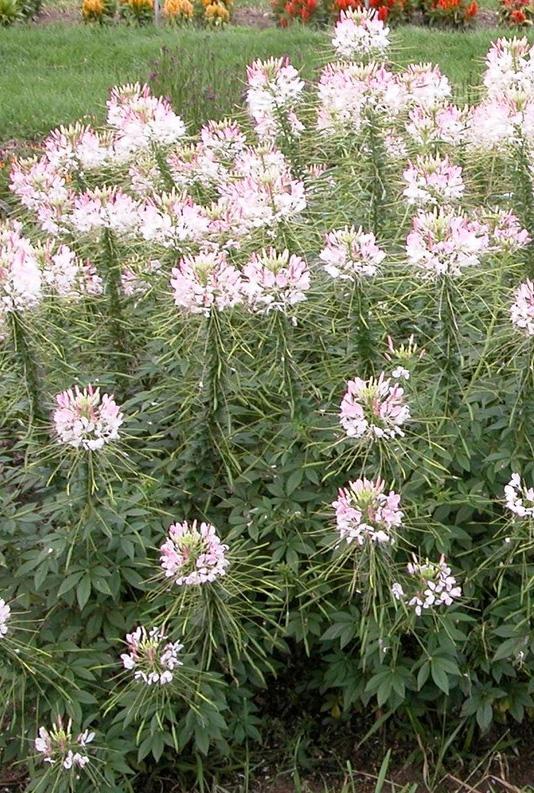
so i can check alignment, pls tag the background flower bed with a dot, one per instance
(255, 446)
(142, 12)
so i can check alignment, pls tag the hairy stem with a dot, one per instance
(361, 331)
(290, 379)
(163, 167)
(377, 175)
(448, 344)
(29, 365)
(525, 197)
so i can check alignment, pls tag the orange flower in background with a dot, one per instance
(472, 10)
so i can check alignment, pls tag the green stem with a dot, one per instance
(288, 144)
(363, 335)
(290, 379)
(378, 177)
(29, 366)
(114, 296)
(448, 347)
(524, 409)
(163, 167)
(525, 198)
(215, 365)
(217, 418)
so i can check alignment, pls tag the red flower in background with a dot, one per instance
(472, 10)
(517, 12)
(294, 9)
(385, 9)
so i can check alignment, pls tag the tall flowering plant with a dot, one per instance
(286, 372)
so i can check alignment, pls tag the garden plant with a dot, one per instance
(266, 429)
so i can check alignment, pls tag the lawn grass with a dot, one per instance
(58, 73)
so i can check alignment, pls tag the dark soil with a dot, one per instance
(253, 18)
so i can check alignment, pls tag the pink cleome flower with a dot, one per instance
(434, 586)
(85, 420)
(519, 498)
(105, 208)
(170, 219)
(350, 253)
(365, 513)
(510, 69)
(193, 554)
(522, 310)
(275, 281)
(425, 85)
(505, 231)
(360, 33)
(59, 746)
(5, 613)
(274, 91)
(444, 124)
(373, 409)
(20, 276)
(263, 191)
(141, 120)
(224, 140)
(64, 274)
(348, 92)
(433, 180)
(151, 658)
(36, 182)
(444, 243)
(76, 148)
(205, 282)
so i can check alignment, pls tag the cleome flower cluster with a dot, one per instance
(150, 657)
(374, 409)
(519, 498)
(5, 613)
(430, 584)
(193, 554)
(85, 419)
(57, 746)
(365, 513)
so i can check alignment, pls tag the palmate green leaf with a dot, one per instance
(345, 627)
(83, 590)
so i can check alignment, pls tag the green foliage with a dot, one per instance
(30, 8)
(10, 12)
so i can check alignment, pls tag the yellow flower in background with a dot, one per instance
(178, 9)
(92, 8)
(97, 10)
(216, 14)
